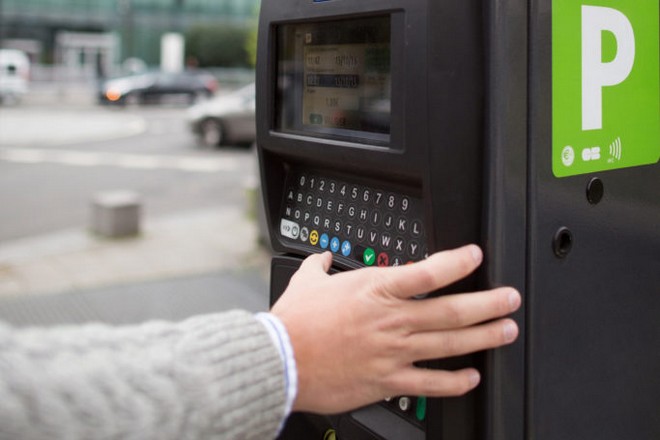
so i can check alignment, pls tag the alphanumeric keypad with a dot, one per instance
(367, 224)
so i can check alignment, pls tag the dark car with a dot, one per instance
(225, 119)
(158, 87)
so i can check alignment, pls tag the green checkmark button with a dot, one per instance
(369, 257)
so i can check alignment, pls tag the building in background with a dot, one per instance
(91, 38)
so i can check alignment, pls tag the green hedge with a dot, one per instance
(221, 45)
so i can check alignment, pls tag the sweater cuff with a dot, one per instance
(280, 338)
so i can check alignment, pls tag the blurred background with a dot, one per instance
(128, 177)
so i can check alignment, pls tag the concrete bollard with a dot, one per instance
(116, 214)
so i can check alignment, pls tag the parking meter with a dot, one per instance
(391, 129)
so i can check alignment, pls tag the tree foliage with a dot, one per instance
(221, 45)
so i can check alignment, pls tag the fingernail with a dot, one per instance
(475, 378)
(510, 331)
(514, 300)
(476, 253)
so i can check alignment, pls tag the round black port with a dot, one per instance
(595, 191)
(562, 243)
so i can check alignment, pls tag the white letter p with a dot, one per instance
(595, 73)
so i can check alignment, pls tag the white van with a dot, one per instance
(14, 75)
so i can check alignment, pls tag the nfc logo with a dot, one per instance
(597, 74)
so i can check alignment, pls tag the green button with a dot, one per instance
(369, 257)
(421, 408)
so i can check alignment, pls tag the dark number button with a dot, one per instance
(405, 204)
(391, 201)
(366, 195)
(378, 198)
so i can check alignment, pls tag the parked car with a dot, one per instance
(14, 75)
(225, 119)
(158, 87)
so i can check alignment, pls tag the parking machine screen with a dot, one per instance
(334, 79)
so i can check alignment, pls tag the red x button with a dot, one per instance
(383, 259)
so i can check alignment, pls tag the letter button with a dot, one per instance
(416, 228)
(414, 250)
(402, 225)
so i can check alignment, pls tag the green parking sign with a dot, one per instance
(605, 85)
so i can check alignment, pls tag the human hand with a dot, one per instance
(356, 334)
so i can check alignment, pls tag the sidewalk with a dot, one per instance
(193, 263)
(194, 243)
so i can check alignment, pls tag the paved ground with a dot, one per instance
(190, 263)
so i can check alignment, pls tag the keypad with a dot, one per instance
(370, 225)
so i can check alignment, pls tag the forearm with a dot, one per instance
(216, 376)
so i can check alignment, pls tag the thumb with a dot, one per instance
(315, 265)
(317, 262)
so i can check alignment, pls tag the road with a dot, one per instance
(54, 160)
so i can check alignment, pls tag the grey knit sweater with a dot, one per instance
(210, 377)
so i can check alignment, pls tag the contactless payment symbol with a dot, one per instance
(605, 88)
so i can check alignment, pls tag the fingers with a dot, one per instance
(435, 383)
(439, 270)
(456, 311)
(443, 344)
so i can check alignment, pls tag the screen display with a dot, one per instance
(334, 79)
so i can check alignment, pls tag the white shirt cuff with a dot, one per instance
(280, 338)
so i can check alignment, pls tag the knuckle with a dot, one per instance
(451, 344)
(452, 314)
